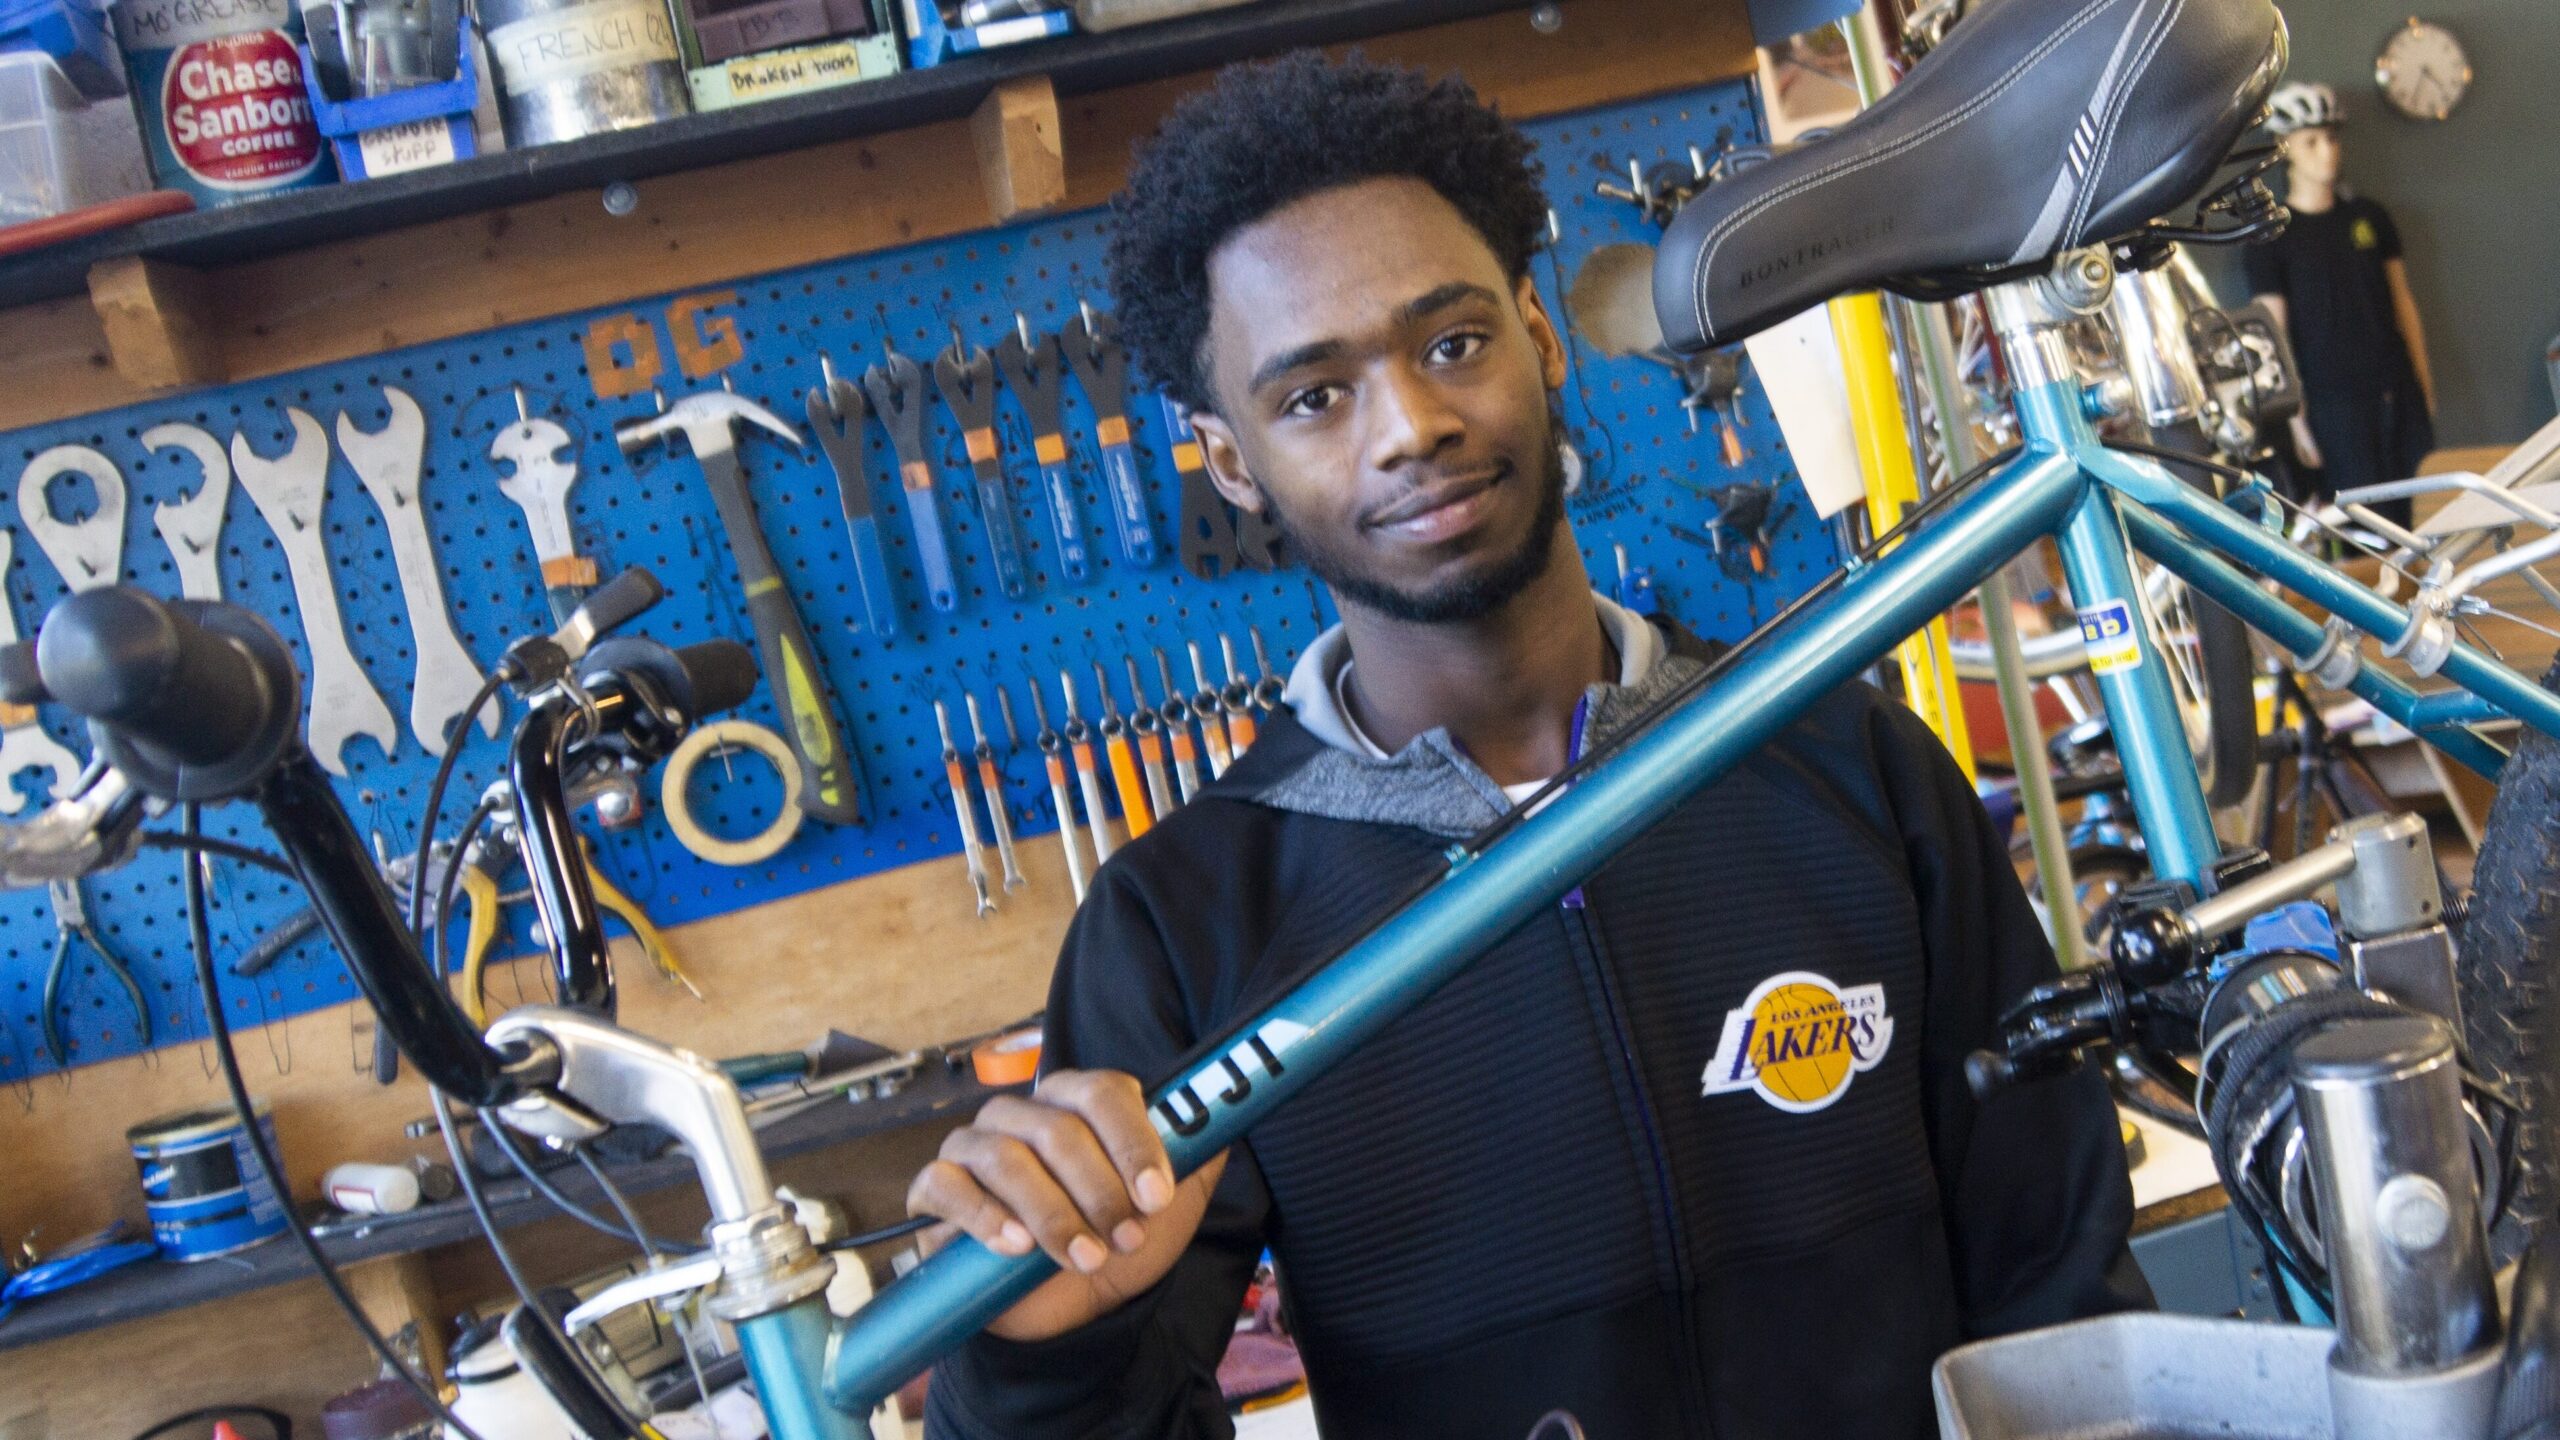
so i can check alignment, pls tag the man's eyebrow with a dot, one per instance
(1288, 360)
(1431, 302)
(1421, 307)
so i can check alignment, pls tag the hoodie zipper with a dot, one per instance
(1584, 935)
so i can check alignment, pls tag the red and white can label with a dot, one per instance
(238, 115)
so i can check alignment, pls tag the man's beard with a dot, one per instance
(1459, 601)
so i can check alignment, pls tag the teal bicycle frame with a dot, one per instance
(2099, 504)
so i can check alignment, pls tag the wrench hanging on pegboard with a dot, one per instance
(954, 635)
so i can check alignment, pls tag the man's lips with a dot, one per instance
(1439, 509)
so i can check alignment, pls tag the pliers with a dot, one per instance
(71, 921)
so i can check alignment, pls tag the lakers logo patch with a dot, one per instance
(1799, 1040)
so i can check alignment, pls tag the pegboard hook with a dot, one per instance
(521, 416)
(827, 371)
(1084, 309)
(1022, 329)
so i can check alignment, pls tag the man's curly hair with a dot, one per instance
(1268, 134)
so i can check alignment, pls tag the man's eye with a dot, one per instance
(1449, 349)
(1314, 400)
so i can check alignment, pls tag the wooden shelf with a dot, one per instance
(154, 1287)
(1074, 65)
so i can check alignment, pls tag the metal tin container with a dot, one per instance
(201, 1185)
(219, 85)
(568, 68)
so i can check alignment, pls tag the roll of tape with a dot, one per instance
(736, 735)
(1008, 1059)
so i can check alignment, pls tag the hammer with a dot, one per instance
(828, 782)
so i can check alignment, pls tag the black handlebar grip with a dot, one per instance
(141, 666)
(617, 601)
(21, 683)
(722, 672)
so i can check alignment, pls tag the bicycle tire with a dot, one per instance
(2230, 668)
(2509, 969)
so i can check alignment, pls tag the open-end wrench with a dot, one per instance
(1208, 524)
(958, 775)
(1148, 726)
(1053, 758)
(991, 780)
(192, 528)
(24, 745)
(1088, 778)
(539, 483)
(88, 552)
(389, 461)
(1177, 728)
(1092, 349)
(288, 493)
(1210, 706)
(830, 787)
(1031, 370)
(966, 376)
(896, 388)
(836, 412)
(1135, 812)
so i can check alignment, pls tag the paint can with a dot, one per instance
(219, 84)
(568, 68)
(201, 1185)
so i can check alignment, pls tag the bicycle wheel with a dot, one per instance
(2510, 969)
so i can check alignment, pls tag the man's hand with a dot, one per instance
(1074, 1170)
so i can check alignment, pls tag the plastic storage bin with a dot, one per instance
(75, 33)
(60, 150)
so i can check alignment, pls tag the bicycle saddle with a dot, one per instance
(2036, 127)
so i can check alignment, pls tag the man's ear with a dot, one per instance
(1542, 332)
(1219, 451)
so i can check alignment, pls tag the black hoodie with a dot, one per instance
(1692, 1154)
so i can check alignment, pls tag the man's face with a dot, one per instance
(2313, 154)
(1382, 392)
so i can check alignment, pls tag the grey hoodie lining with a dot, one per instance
(1431, 784)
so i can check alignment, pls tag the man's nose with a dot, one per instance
(1411, 420)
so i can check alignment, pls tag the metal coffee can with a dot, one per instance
(568, 68)
(201, 1184)
(219, 84)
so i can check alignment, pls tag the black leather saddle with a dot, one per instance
(2038, 126)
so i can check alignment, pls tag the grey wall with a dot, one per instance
(2477, 197)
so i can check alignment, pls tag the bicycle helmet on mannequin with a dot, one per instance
(2301, 105)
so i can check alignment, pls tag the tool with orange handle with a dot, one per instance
(1134, 809)
(958, 774)
(1206, 704)
(1080, 745)
(1053, 757)
(991, 780)
(1177, 726)
(1238, 699)
(1148, 726)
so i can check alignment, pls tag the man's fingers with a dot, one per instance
(1114, 1104)
(950, 1193)
(1012, 1172)
(1066, 1144)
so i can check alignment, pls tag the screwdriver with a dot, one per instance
(959, 777)
(1177, 724)
(1205, 704)
(1124, 762)
(1238, 698)
(1053, 756)
(1150, 729)
(1080, 744)
(992, 780)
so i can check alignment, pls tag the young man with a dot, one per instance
(2336, 281)
(1690, 1153)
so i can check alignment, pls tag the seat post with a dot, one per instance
(2027, 320)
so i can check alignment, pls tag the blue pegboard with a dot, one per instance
(1645, 486)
